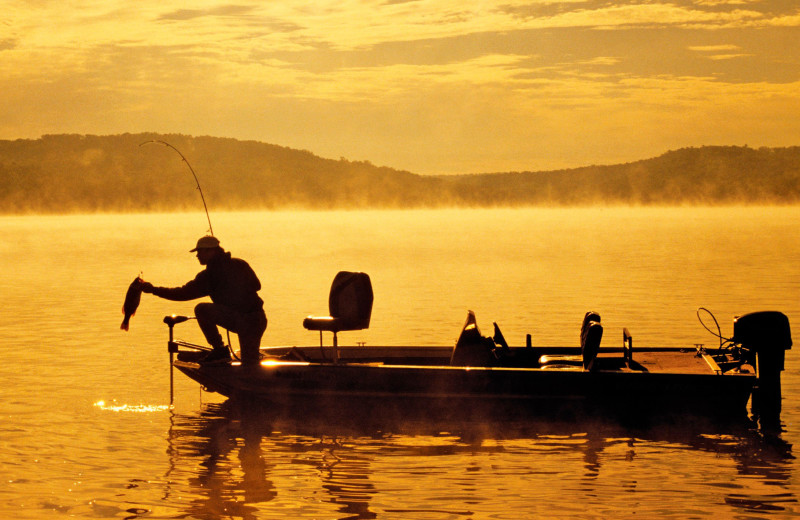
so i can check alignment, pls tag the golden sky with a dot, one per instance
(439, 86)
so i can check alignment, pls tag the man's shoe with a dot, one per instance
(217, 356)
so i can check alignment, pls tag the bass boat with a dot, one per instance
(485, 372)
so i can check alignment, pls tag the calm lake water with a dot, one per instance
(87, 431)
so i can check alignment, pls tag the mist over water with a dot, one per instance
(86, 431)
(118, 174)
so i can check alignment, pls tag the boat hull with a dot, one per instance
(465, 389)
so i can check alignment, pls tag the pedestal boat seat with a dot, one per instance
(591, 335)
(349, 307)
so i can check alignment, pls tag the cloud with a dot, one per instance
(387, 83)
(219, 11)
(785, 21)
(341, 28)
(715, 3)
(715, 52)
(719, 57)
(362, 77)
(713, 48)
(254, 27)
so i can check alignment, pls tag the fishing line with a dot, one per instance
(154, 141)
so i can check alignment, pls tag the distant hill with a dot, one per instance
(77, 173)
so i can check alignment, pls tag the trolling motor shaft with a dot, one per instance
(172, 348)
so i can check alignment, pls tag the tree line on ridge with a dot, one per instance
(85, 173)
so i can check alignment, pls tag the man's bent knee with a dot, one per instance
(202, 310)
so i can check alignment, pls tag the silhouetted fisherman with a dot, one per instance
(233, 288)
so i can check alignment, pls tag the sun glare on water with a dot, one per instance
(138, 408)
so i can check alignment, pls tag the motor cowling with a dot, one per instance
(766, 336)
(763, 331)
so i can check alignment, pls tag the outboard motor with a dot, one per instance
(766, 337)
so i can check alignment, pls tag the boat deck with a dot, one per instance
(652, 360)
(680, 361)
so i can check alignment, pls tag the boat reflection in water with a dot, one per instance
(242, 462)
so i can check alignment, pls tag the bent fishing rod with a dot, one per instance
(155, 141)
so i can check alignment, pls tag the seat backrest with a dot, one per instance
(590, 317)
(351, 298)
(591, 345)
(591, 335)
(472, 349)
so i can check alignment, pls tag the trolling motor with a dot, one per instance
(173, 348)
(764, 338)
(171, 321)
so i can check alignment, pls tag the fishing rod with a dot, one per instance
(155, 141)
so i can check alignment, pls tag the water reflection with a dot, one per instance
(346, 478)
(241, 463)
(764, 457)
(228, 472)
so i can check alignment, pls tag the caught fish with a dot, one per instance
(132, 299)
